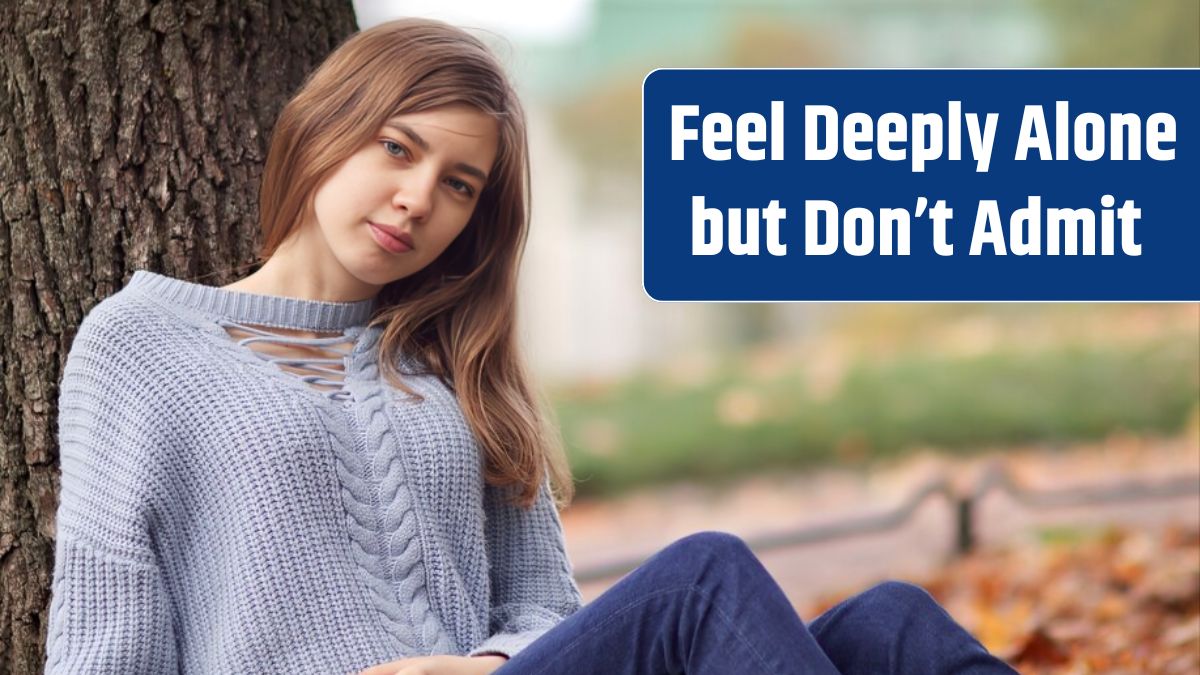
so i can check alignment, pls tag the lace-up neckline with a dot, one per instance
(321, 363)
(316, 371)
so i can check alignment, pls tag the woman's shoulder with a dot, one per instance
(125, 320)
(123, 309)
(128, 336)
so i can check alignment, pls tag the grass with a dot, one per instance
(647, 430)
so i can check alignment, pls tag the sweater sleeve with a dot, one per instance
(107, 615)
(109, 609)
(532, 585)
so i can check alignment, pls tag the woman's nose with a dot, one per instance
(415, 196)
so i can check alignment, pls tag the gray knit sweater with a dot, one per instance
(221, 514)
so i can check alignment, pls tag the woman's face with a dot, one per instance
(418, 178)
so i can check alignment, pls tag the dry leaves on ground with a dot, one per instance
(1120, 601)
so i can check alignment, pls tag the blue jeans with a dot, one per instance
(705, 605)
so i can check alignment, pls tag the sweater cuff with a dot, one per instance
(107, 614)
(505, 644)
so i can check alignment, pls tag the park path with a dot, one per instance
(636, 525)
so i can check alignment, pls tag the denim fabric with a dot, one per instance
(705, 605)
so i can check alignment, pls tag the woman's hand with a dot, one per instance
(438, 665)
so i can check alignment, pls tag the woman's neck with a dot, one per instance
(292, 272)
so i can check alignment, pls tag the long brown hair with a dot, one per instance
(457, 315)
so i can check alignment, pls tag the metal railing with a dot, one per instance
(995, 478)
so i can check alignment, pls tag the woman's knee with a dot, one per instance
(895, 604)
(715, 563)
(710, 545)
(899, 598)
(876, 614)
(708, 554)
(871, 630)
(699, 559)
(880, 606)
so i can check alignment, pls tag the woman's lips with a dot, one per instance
(391, 239)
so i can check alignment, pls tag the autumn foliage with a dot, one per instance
(1114, 601)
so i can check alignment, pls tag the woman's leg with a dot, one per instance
(702, 606)
(897, 627)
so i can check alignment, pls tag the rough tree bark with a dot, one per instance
(132, 135)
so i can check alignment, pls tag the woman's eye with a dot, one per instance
(394, 149)
(460, 187)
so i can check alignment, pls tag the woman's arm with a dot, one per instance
(532, 588)
(109, 610)
(107, 615)
(438, 665)
(531, 581)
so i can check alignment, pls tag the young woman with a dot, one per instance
(337, 464)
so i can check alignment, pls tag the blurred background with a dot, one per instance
(770, 419)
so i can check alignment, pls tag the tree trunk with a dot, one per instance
(132, 135)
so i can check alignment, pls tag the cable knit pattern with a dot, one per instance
(220, 514)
